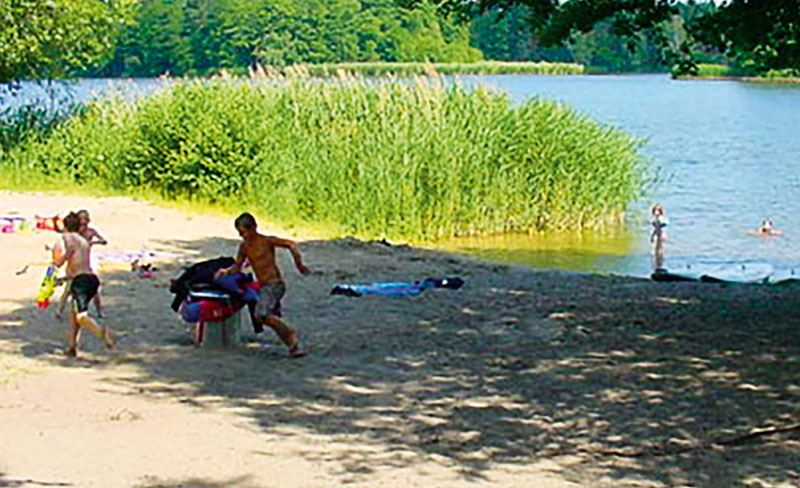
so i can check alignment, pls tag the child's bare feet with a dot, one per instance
(107, 339)
(71, 352)
(296, 351)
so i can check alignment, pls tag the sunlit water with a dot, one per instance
(728, 154)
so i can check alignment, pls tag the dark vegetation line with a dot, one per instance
(60, 38)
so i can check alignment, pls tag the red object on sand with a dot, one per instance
(48, 223)
(211, 311)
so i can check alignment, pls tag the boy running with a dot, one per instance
(259, 250)
(73, 250)
(93, 238)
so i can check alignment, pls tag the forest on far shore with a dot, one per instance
(51, 39)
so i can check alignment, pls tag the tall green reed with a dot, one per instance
(412, 159)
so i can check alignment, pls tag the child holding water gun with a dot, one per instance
(72, 249)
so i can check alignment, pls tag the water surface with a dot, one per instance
(728, 153)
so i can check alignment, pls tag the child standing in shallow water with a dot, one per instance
(259, 250)
(659, 221)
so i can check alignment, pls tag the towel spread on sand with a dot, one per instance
(129, 256)
(396, 288)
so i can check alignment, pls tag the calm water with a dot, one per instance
(728, 153)
(729, 156)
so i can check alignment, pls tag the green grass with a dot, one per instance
(783, 76)
(711, 70)
(413, 159)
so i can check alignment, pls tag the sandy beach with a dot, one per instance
(521, 378)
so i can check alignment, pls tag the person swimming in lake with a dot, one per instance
(767, 228)
(659, 221)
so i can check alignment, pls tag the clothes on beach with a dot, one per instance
(202, 272)
(237, 289)
(269, 300)
(237, 286)
(82, 289)
(132, 256)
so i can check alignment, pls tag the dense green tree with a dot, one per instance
(758, 35)
(198, 36)
(202, 25)
(507, 35)
(45, 39)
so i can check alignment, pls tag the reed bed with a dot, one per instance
(478, 68)
(713, 70)
(417, 159)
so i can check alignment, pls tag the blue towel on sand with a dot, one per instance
(396, 288)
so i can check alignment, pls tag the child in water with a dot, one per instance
(659, 221)
(767, 228)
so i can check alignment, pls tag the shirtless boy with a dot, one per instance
(93, 238)
(259, 250)
(73, 250)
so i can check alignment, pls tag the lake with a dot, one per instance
(728, 155)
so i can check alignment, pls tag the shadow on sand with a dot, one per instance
(614, 381)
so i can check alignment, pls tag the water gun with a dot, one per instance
(47, 288)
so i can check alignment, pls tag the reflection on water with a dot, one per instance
(624, 252)
(619, 252)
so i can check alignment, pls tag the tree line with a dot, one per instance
(46, 39)
(201, 36)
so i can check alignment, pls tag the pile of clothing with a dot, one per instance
(200, 297)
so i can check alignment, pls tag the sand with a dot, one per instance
(521, 378)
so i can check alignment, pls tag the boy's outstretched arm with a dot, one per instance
(292, 247)
(96, 238)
